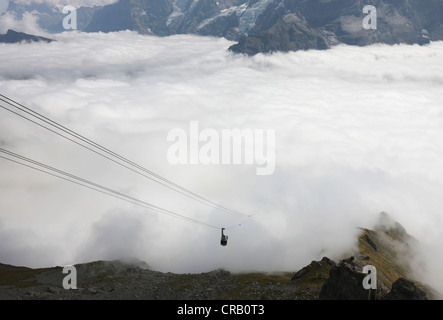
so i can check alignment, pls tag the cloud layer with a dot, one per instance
(358, 131)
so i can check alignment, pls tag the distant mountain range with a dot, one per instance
(261, 25)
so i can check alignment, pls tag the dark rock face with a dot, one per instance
(112, 18)
(388, 248)
(314, 267)
(168, 17)
(370, 242)
(288, 34)
(403, 289)
(341, 21)
(12, 36)
(346, 283)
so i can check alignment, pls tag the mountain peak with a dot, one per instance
(12, 36)
(390, 226)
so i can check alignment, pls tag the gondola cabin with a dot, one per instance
(224, 238)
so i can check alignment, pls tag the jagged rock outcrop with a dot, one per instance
(290, 33)
(346, 283)
(403, 289)
(316, 270)
(390, 249)
(168, 17)
(12, 36)
(311, 278)
(346, 279)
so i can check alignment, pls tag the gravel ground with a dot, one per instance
(120, 281)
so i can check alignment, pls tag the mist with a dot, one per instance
(358, 132)
(61, 3)
(28, 23)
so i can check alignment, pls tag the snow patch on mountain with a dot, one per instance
(238, 10)
(250, 16)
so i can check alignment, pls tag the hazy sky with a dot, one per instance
(28, 22)
(358, 131)
(3, 5)
(59, 3)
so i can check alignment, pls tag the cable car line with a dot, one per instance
(38, 166)
(149, 174)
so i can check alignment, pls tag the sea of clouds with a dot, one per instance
(358, 131)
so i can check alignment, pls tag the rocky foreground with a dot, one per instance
(325, 279)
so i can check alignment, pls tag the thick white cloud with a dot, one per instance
(358, 132)
(28, 23)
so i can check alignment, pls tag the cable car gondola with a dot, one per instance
(224, 238)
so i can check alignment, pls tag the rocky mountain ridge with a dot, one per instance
(12, 36)
(385, 247)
